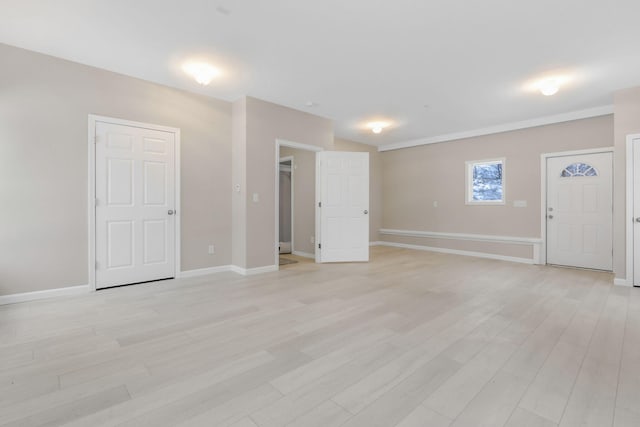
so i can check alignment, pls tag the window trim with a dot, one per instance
(469, 164)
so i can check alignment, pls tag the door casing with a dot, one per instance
(629, 219)
(91, 199)
(300, 146)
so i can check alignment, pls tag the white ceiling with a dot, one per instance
(358, 60)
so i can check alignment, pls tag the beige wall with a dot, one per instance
(626, 122)
(416, 177)
(44, 104)
(266, 122)
(375, 182)
(239, 182)
(304, 198)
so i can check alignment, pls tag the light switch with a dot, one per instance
(435, 203)
(255, 197)
(519, 203)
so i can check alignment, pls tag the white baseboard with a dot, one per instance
(377, 243)
(252, 271)
(459, 252)
(622, 282)
(204, 271)
(49, 293)
(304, 254)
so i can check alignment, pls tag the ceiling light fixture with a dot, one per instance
(549, 87)
(202, 72)
(376, 127)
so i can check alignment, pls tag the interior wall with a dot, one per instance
(44, 108)
(239, 180)
(266, 122)
(304, 198)
(626, 122)
(415, 178)
(375, 182)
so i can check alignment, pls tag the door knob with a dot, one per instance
(171, 212)
(550, 209)
(366, 212)
(638, 219)
(550, 216)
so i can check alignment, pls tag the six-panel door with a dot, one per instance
(344, 214)
(135, 192)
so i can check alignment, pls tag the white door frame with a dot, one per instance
(284, 159)
(543, 190)
(91, 201)
(628, 231)
(300, 146)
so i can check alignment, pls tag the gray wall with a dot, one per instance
(416, 177)
(264, 123)
(44, 105)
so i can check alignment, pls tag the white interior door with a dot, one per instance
(636, 212)
(135, 204)
(580, 211)
(343, 229)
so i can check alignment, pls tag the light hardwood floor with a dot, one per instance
(409, 339)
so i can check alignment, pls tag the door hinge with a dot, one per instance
(96, 265)
(319, 204)
(319, 246)
(95, 202)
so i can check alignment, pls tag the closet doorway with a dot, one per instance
(295, 203)
(286, 214)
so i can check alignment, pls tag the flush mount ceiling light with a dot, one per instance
(549, 87)
(550, 84)
(202, 72)
(376, 127)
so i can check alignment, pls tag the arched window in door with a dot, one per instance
(579, 169)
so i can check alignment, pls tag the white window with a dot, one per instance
(485, 182)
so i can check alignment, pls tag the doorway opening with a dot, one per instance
(286, 215)
(295, 202)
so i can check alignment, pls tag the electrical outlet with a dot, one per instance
(435, 203)
(212, 249)
(312, 239)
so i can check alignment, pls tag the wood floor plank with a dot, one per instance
(409, 339)
(593, 399)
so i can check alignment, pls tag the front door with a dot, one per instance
(579, 211)
(344, 206)
(135, 204)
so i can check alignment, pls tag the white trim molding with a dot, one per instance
(459, 252)
(535, 242)
(506, 127)
(629, 219)
(204, 271)
(46, 294)
(622, 282)
(225, 268)
(253, 271)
